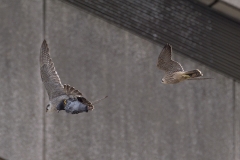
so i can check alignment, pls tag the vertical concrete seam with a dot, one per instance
(44, 18)
(43, 94)
(234, 107)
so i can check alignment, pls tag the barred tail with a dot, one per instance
(90, 107)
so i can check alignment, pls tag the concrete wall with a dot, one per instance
(141, 119)
(21, 96)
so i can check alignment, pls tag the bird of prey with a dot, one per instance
(174, 72)
(61, 97)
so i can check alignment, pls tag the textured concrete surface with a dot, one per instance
(21, 96)
(141, 119)
(237, 122)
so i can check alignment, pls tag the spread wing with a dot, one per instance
(165, 61)
(71, 91)
(49, 75)
(74, 93)
(86, 102)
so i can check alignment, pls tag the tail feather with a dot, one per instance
(199, 78)
(194, 73)
(90, 107)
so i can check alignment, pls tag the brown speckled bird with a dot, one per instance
(61, 97)
(174, 72)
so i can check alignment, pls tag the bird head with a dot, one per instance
(48, 107)
(164, 81)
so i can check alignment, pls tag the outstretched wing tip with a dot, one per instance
(44, 44)
(168, 46)
(164, 56)
(44, 54)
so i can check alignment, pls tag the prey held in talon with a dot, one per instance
(61, 97)
(174, 72)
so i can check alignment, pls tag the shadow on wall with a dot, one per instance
(2, 158)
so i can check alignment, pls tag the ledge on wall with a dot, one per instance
(230, 8)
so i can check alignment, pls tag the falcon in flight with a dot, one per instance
(174, 72)
(61, 97)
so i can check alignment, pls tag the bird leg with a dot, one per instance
(65, 102)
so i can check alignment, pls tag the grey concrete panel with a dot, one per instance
(237, 122)
(142, 118)
(21, 96)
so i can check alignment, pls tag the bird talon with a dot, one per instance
(65, 102)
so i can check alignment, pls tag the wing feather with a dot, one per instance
(86, 102)
(165, 61)
(74, 93)
(71, 91)
(49, 74)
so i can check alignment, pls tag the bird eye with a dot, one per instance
(47, 108)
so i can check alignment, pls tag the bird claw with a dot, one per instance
(65, 102)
